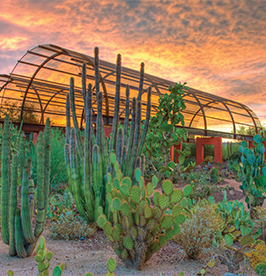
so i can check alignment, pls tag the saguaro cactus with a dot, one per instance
(16, 223)
(88, 162)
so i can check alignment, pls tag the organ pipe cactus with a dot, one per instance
(16, 223)
(88, 161)
(140, 228)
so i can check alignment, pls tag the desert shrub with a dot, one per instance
(60, 204)
(198, 231)
(202, 185)
(70, 226)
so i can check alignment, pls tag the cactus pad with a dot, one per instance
(116, 183)
(116, 233)
(150, 189)
(112, 158)
(108, 228)
(109, 198)
(169, 234)
(125, 208)
(147, 211)
(157, 212)
(101, 221)
(141, 182)
(155, 197)
(109, 178)
(180, 219)
(151, 224)
(176, 229)
(163, 201)
(167, 222)
(187, 190)
(154, 181)
(176, 210)
(124, 254)
(246, 241)
(260, 268)
(168, 187)
(162, 240)
(111, 265)
(109, 188)
(127, 181)
(176, 196)
(128, 243)
(124, 190)
(135, 194)
(116, 203)
(137, 174)
(142, 221)
(229, 239)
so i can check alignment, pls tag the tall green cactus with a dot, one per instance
(16, 228)
(88, 161)
(140, 228)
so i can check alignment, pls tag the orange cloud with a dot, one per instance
(215, 46)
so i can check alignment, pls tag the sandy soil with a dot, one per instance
(92, 254)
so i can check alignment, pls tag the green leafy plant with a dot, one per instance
(88, 162)
(163, 131)
(16, 228)
(252, 173)
(139, 228)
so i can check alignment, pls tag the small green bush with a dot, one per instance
(70, 226)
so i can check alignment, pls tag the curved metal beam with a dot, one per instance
(32, 78)
(202, 110)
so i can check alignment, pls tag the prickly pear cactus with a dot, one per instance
(140, 228)
(43, 258)
(257, 258)
(252, 173)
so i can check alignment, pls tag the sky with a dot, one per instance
(217, 46)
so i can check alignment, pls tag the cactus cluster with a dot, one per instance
(257, 258)
(214, 175)
(43, 257)
(88, 161)
(140, 228)
(16, 223)
(252, 173)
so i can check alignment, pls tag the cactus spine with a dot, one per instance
(88, 162)
(16, 226)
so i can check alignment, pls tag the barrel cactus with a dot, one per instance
(139, 227)
(88, 161)
(16, 223)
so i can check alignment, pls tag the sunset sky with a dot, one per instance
(216, 46)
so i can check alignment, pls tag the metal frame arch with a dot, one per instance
(202, 110)
(32, 78)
